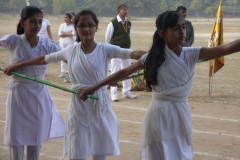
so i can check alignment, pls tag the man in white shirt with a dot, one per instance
(118, 33)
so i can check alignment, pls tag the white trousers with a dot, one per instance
(64, 64)
(103, 157)
(63, 67)
(17, 152)
(116, 65)
(177, 148)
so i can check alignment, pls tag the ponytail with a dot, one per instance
(20, 29)
(154, 59)
(26, 13)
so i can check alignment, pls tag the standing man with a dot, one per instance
(45, 30)
(118, 33)
(189, 28)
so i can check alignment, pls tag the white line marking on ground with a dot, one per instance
(214, 155)
(129, 121)
(2, 121)
(124, 141)
(137, 143)
(143, 109)
(5, 148)
(197, 131)
(44, 155)
(221, 119)
(217, 133)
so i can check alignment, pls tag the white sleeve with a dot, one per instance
(48, 23)
(57, 56)
(194, 54)
(8, 41)
(143, 58)
(60, 30)
(118, 52)
(74, 31)
(109, 32)
(190, 56)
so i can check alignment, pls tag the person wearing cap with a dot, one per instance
(189, 28)
(118, 33)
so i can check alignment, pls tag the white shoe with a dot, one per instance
(66, 80)
(62, 75)
(114, 98)
(129, 95)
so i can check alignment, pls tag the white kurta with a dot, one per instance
(43, 31)
(31, 116)
(66, 41)
(92, 126)
(169, 113)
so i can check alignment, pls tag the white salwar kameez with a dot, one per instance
(31, 116)
(167, 126)
(65, 42)
(92, 126)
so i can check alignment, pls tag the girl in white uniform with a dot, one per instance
(169, 72)
(31, 116)
(45, 31)
(92, 126)
(66, 33)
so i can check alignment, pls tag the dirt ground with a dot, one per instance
(216, 119)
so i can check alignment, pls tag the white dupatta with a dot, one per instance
(169, 112)
(93, 76)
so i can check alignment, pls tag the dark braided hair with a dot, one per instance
(155, 58)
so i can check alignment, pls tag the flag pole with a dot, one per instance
(211, 79)
(216, 39)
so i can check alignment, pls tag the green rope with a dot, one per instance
(132, 76)
(48, 83)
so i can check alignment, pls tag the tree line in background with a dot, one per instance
(137, 8)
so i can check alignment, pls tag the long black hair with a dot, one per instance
(155, 58)
(83, 13)
(26, 13)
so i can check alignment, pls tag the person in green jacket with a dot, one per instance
(189, 28)
(118, 33)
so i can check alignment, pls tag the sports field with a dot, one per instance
(216, 119)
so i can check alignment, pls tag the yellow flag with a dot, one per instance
(216, 39)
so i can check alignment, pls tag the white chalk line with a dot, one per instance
(214, 155)
(137, 143)
(193, 115)
(6, 148)
(144, 109)
(217, 133)
(220, 119)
